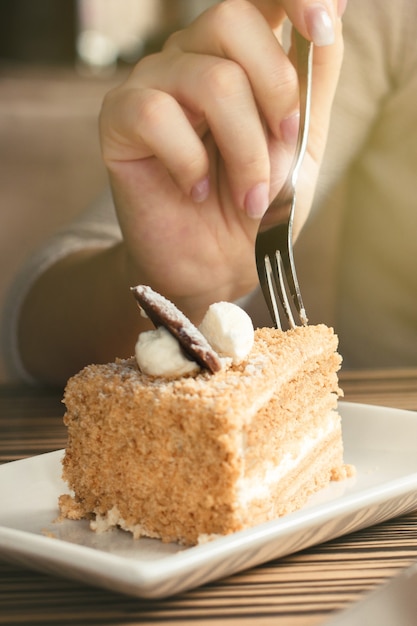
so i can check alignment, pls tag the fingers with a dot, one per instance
(208, 79)
(244, 92)
(237, 31)
(216, 97)
(224, 78)
(136, 124)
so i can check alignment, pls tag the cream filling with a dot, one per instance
(259, 487)
(111, 519)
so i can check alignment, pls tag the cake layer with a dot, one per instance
(169, 458)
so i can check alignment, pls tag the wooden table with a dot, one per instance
(302, 589)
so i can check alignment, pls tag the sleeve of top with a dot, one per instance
(97, 227)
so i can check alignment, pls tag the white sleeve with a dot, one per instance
(97, 227)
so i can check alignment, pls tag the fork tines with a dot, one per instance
(277, 275)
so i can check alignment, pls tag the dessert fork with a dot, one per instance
(274, 245)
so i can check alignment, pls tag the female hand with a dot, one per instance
(199, 139)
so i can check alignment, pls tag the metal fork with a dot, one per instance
(274, 245)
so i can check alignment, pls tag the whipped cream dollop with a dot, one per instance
(158, 353)
(226, 332)
(229, 330)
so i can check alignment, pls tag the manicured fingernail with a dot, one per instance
(201, 190)
(341, 7)
(289, 129)
(257, 201)
(320, 25)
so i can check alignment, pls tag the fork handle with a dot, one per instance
(304, 50)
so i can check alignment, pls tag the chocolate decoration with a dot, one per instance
(162, 312)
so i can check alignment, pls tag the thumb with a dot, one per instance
(316, 20)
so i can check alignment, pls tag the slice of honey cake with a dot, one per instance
(235, 437)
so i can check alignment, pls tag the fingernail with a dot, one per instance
(201, 190)
(319, 25)
(341, 7)
(289, 129)
(257, 201)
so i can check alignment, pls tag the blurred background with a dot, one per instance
(57, 60)
(96, 33)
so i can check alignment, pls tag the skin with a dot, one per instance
(196, 142)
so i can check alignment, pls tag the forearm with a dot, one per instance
(79, 311)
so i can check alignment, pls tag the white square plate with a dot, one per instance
(380, 442)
